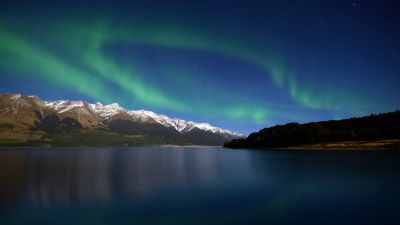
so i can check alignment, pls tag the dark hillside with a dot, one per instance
(369, 128)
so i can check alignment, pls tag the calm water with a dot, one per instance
(164, 185)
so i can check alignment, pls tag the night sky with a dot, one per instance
(240, 65)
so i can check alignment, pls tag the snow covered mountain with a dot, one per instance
(62, 122)
(108, 112)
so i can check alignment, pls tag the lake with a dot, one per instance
(197, 185)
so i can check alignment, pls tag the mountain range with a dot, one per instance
(30, 121)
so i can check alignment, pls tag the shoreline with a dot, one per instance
(379, 145)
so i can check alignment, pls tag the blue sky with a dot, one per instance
(239, 65)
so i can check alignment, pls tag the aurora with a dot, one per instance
(203, 62)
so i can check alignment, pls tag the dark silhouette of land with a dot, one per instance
(374, 131)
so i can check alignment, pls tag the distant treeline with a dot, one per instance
(368, 128)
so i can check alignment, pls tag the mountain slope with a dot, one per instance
(27, 120)
(382, 130)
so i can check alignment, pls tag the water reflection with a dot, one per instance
(197, 186)
(12, 178)
(69, 176)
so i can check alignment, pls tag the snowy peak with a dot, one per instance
(108, 112)
(182, 126)
(208, 127)
(177, 124)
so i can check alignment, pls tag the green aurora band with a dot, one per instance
(91, 69)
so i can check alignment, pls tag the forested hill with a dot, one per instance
(385, 126)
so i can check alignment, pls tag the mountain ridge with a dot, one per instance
(110, 110)
(37, 121)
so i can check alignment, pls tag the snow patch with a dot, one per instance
(15, 97)
(62, 106)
